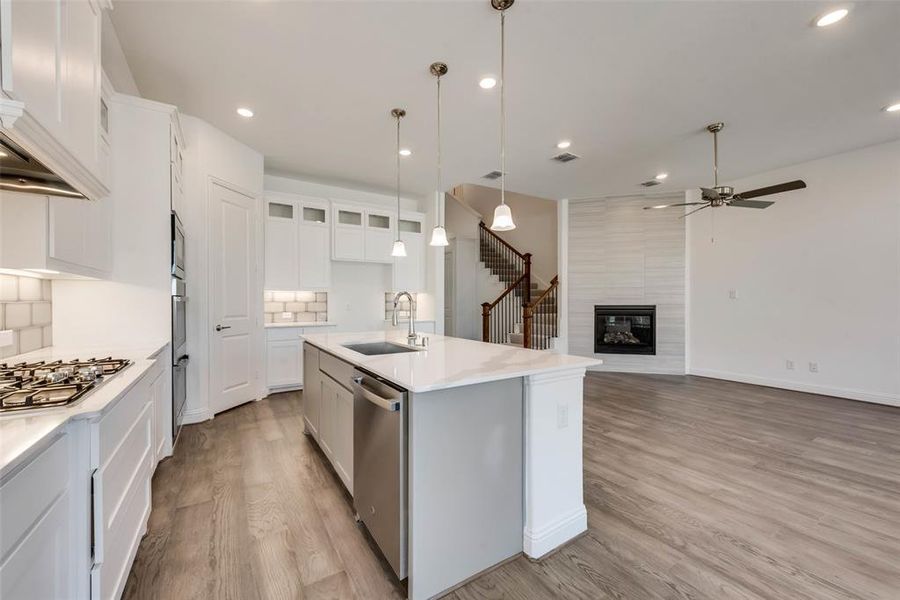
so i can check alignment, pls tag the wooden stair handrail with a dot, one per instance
(503, 242)
(553, 283)
(512, 286)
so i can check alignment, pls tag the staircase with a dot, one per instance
(523, 314)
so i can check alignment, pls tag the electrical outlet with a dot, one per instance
(286, 315)
(789, 365)
(732, 294)
(813, 367)
(562, 415)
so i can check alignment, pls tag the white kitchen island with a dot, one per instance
(494, 446)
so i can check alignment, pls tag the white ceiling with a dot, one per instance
(632, 84)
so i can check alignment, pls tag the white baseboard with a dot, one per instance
(605, 368)
(196, 416)
(811, 388)
(539, 542)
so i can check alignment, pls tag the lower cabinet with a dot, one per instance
(72, 517)
(284, 358)
(328, 409)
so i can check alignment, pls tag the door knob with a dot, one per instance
(221, 327)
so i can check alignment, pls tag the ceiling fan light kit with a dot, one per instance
(503, 220)
(723, 195)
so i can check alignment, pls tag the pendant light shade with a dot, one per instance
(438, 234)
(399, 248)
(503, 220)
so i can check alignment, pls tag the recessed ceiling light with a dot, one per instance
(3, 154)
(564, 144)
(245, 112)
(662, 176)
(892, 108)
(405, 152)
(487, 83)
(832, 17)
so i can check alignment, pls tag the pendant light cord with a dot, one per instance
(398, 176)
(440, 183)
(716, 158)
(502, 108)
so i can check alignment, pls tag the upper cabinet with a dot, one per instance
(363, 234)
(298, 238)
(51, 101)
(409, 270)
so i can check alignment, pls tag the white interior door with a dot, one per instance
(232, 302)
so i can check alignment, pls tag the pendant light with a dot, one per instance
(503, 220)
(399, 248)
(438, 234)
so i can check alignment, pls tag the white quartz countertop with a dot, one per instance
(447, 361)
(23, 433)
(300, 324)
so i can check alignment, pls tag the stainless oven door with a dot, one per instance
(179, 310)
(177, 247)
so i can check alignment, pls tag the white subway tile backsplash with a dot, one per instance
(9, 288)
(25, 308)
(292, 307)
(18, 315)
(31, 339)
(41, 313)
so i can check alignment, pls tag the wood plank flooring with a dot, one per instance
(695, 488)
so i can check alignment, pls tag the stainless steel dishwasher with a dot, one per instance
(379, 464)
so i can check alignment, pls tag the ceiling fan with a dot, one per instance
(723, 195)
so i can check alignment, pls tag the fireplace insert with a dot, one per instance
(625, 329)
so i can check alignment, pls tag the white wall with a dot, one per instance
(133, 306)
(210, 153)
(817, 277)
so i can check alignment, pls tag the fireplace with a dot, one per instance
(625, 329)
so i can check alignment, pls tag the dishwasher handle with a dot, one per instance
(385, 403)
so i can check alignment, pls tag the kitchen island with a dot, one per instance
(490, 462)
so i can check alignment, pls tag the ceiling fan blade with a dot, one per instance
(693, 211)
(750, 203)
(671, 205)
(772, 189)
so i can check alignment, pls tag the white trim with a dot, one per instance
(810, 388)
(553, 535)
(623, 369)
(196, 416)
(562, 268)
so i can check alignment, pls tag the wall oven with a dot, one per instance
(179, 328)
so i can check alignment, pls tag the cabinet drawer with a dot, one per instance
(113, 427)
(25, 496)
(339, 370)
(278, 334)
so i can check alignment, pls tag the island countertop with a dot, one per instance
(447, 361)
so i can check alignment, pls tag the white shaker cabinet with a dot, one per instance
(314, 244)
(282, 239)
(312, 390)
(284, 358)
(298, 242)
(328, 409)
(409, 270)
(348, 233)
(380, 235)
(51, 82)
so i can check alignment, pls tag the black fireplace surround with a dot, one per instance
(625, 329)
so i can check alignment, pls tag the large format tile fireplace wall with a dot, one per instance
(620, 254)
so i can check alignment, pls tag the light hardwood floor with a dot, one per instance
(695, 488)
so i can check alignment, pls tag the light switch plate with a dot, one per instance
(6, 338)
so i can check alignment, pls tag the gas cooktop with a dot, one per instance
(42, 384)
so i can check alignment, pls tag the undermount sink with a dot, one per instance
(375, 348)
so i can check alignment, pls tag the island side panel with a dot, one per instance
(466, 477)
(554, 487)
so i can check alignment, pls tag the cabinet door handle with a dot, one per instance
(221, 327)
